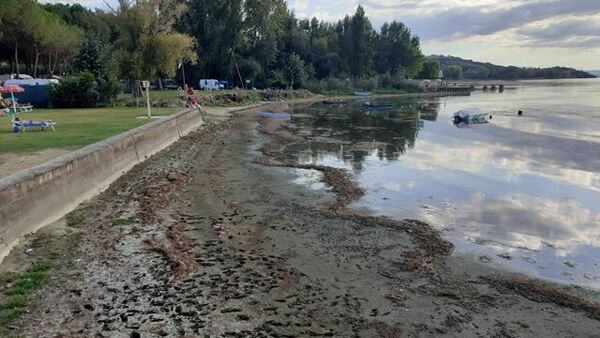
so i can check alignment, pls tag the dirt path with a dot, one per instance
(204, 240)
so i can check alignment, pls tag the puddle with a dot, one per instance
(520, 191)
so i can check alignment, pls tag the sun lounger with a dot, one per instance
(22, 126)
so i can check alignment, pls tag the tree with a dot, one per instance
(431, 70)
(148, 45)
(217, 24)
(91, 56)
(24, 16)
(356, 42)
(453, 73)
(295, 71)
(397, 50)
(93, 24)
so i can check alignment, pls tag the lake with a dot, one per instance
(521, 192)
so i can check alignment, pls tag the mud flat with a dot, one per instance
(210, 238)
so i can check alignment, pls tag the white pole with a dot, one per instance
(12, 96)
(148, 101)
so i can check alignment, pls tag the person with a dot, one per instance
(192, 102)
(520, 113)
(4, 106)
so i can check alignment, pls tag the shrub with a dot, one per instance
(74, 92)
(108, 90)
(83, 91)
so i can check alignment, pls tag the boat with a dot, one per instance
(336, 101)
(277, 116)
(471, 117)
(370, 105)
(362, 93)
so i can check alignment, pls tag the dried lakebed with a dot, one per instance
(209, 238)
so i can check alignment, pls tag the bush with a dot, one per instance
(83, 91)
(108, 90)
(74, 92)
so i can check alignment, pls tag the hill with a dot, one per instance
(594, 72)
(456, 68)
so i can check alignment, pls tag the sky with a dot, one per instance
(507, 32)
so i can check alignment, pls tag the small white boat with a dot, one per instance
(362, 93)
(473, 116)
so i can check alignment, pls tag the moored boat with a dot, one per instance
(379, 105)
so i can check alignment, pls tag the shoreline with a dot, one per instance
(12, 163)
(200, 239)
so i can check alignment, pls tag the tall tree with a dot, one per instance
(397, 51)
(148, 45)
(295, 71)
(358, 43)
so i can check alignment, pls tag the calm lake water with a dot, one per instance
(519, 191)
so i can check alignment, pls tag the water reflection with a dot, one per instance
(527, 189)
(354, 131)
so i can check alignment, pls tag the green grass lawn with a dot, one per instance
(75, 127)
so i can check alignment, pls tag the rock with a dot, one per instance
(172, 176)
(243, 317)
(505, 256)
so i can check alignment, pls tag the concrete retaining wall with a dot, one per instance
(39, 196)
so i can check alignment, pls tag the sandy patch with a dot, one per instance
(13, 163)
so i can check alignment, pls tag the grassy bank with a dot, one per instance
(18, 289)
(75, 127)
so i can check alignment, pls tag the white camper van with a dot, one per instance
(206, 84)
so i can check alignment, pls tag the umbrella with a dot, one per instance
(12, 89)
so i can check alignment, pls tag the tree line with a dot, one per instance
(455, 68)
(235, 40)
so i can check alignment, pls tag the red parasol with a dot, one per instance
(11, 89)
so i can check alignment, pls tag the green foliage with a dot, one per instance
(430, 70)
(32, 36)
(122, 222)
(91, 57)
(453, 72)
(473, 70)
(75, 92)
(108, 88)
(148, 46)
(84, 91)
(381, 83)
(222, 39)
(397, 50)
(263, 34)
(295, 71)
(95, 24)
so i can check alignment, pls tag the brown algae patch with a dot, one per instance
(540, 291)
(177, 249)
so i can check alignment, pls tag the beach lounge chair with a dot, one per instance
(22, 126)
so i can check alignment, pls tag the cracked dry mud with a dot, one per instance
(219, 243)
